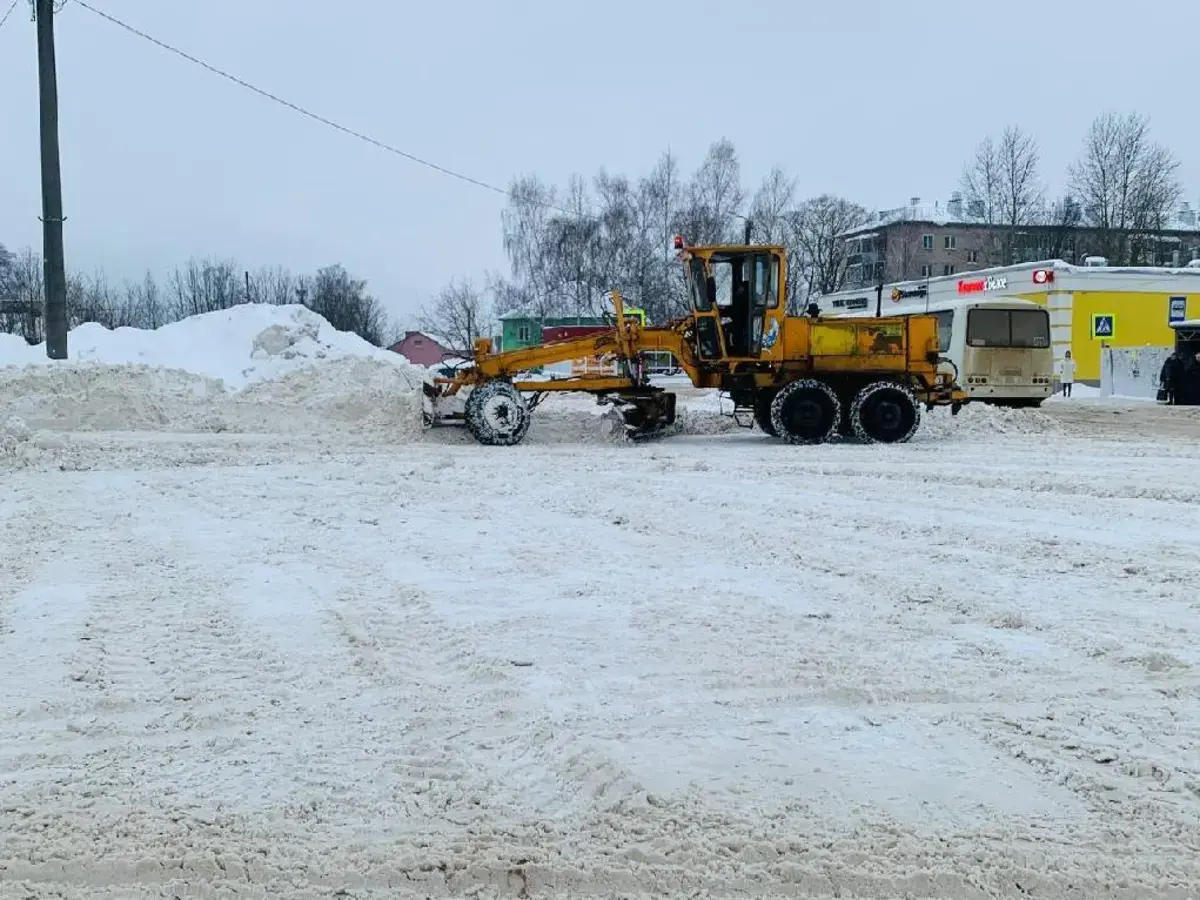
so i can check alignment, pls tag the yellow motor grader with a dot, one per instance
(802, 379)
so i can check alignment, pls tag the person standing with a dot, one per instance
(1170, 378)
(1066, 374)
(1187, 392)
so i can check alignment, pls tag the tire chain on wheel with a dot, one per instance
(870, 391)
(795, 387)
(479, 427)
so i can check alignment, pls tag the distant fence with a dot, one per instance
(1131, 371)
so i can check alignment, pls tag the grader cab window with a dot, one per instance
(701, 300)
(742, 287)
(752, 281)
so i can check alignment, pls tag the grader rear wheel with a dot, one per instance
(806, 411)
(496, 414)
(885, 412)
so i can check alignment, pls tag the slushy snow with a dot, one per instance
(262, 636)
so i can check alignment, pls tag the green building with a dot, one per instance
(522, 328)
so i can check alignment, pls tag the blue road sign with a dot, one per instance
(1103, 326)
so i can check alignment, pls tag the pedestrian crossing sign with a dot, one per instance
(1104, 327)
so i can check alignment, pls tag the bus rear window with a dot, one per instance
(1010, 328)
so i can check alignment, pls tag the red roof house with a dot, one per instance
(420, 349)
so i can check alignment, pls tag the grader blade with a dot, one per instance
(647, 416)
(438, 409)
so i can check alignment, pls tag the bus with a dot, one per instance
(998, 348)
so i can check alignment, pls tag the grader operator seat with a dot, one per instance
(733, 290)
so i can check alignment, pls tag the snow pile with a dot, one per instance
(254, 367)
(14, 443)
(238, 346)
(976, 419)
(373, 393)
(67, 397)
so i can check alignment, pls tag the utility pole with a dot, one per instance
(52, 213)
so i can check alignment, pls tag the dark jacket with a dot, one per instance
(1185, 382)
(1169, 377)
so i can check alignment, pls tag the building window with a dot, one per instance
(950, 242)
(947, 270)
(927, 242)
(926, 270)
(972, 256)
(523, 333)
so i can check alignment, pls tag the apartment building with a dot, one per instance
(929, 240)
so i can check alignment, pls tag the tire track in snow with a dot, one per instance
(688, 843)
(465, 716)
(982, 616)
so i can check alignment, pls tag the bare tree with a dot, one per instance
(145, 300)
(901, 253)
(344, 302)
(93, 299)
(820, 225)
(771, 207)
(8, 263)
(205, 286)
(1058, 226)
(525, 226)
(776, 220)
(458, 314)
(1126, 184)
(660, 195)
(27, 288)
(1020, 189)
(982, 182)
(274, 285)
(713, 197)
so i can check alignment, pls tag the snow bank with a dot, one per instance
(239, 346)
(976, 419)
(250, 368)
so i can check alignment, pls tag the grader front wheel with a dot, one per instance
(496, 414)
(806, 411)
(885, 412)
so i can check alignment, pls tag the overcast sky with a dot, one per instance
(877, 100)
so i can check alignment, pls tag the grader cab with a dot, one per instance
(802, 378)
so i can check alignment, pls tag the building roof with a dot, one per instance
(957, 211)
(1019, 279)
(436, 338)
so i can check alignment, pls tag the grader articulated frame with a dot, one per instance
(802, 378)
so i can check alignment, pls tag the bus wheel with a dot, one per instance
(885, 412)
(806, 412)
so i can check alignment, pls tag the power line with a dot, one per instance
(304, 112)
(9, 13)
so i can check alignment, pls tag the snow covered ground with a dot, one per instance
(276, 642)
